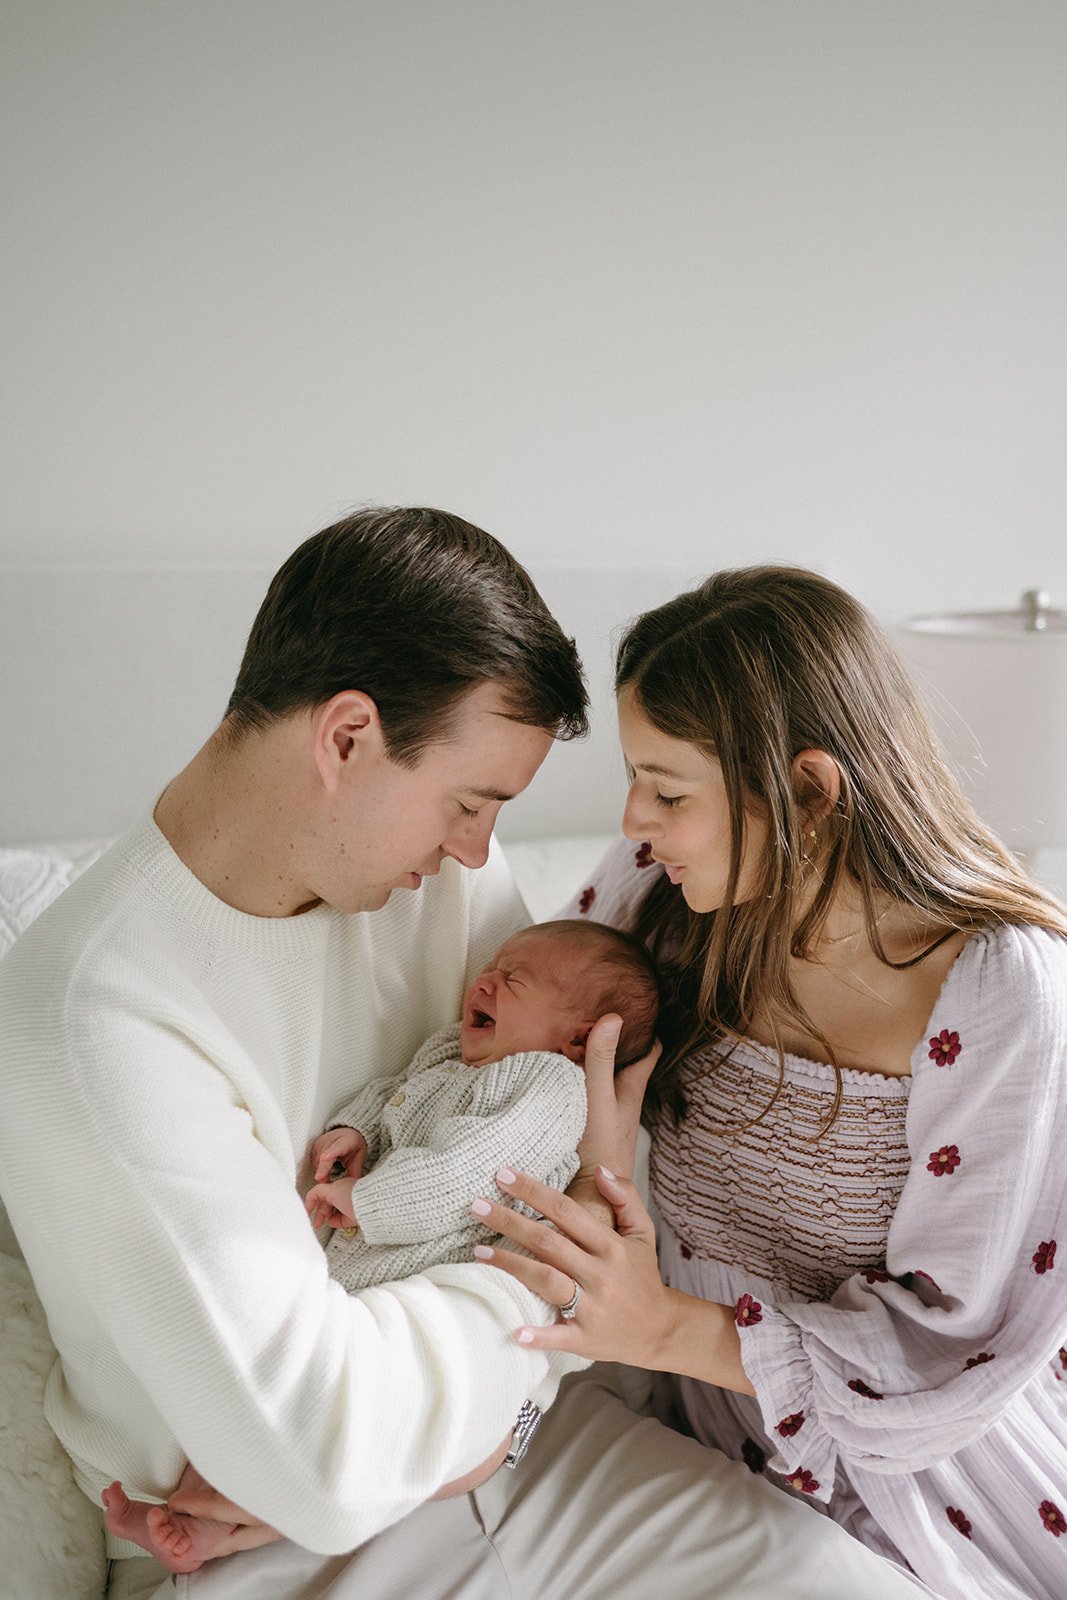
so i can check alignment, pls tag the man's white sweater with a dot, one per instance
(165, 1062)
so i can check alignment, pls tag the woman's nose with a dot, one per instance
(636, 820)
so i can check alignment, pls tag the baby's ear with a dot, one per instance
(574, 1049)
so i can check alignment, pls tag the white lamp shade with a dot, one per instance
(996, 690)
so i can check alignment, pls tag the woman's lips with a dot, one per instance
(673, 872)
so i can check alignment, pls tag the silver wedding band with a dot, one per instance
(570, 1310)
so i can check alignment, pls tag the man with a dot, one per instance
(297, 914)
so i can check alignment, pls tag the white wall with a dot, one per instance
(695, 283)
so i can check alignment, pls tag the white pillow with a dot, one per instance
(548, 872)
(33, 875)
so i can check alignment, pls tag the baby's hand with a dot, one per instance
(344, 1147)
(329, 1205)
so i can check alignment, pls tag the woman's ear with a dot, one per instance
(816, 784)
(345, 729)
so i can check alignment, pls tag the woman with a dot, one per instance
(859, 1121)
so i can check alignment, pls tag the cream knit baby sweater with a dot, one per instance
(434, 1138)
(165, 1061)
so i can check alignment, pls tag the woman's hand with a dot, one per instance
(614, 1100)
(625, 1311)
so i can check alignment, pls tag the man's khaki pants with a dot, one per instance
(607, 1505)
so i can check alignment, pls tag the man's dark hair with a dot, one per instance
(414, 607)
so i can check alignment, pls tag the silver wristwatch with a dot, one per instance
(526, 1425)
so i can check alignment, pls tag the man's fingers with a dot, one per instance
(207, 1502)
(247, 1536)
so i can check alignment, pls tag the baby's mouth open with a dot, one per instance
(480, 1019)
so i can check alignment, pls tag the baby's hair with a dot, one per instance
(621, 976)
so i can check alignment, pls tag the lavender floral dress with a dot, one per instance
(903, 1314)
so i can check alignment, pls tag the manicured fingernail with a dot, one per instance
(484, 1252)
(609, 1174)
(524, 1336)
(505, 1175)
(480, 1207)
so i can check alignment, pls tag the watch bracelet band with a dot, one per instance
(526, 1425)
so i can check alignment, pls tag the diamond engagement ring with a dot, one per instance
(570, 1310)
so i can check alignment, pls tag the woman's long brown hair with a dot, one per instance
(752, 667)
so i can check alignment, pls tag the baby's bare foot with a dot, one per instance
(179, 1543)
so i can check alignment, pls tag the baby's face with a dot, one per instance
(522, 1002)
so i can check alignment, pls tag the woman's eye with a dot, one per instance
(466, 810)
(669, 800)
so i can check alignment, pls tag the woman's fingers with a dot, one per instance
(549, 1283)
(607, 1278)
(632, 1081)
(571, 1219)
(600, 1050)
(613, 1098)
(632, 1219)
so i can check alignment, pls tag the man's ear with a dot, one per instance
(346, 730)
(816, 783)
(574, 1049)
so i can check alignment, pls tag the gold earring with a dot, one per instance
(811, 838)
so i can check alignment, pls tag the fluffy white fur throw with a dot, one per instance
(51, 1537)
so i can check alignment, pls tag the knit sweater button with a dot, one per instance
(348, 1233)
(398, 1099)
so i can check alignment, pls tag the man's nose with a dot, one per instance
(469, 844)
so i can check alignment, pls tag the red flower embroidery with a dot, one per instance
(1053, 1517)
(858, 1386)
(979, 1360)
(1062, 1353)
(685, 1252)
(945, 1048)
(802, 1479)
(643, 855)
(947, 1159)
(876, 1275)
(747, 1311)
(753, 1457)
(585, 899)
(959, 1521)
(790, 1425)
(1044, 1257)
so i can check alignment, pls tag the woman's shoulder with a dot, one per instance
(1010, 980)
